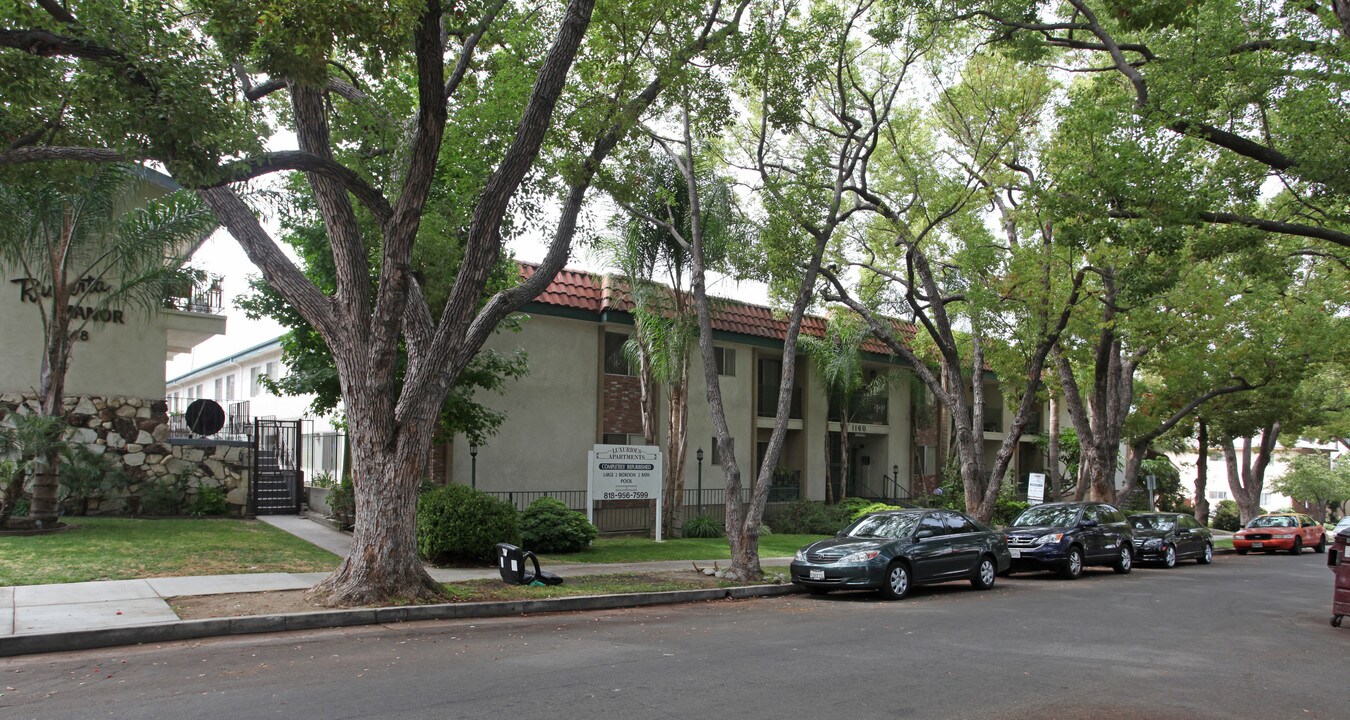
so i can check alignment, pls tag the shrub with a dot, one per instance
(341, 499)
(86, 477)
(703, 526)
(764, 529)
(547, 525)
(209, 500)
(164, 496)
(871, 508)
(1226, 516)
(849, 507)
(806, 517)
(1006, 510)
(456, 523)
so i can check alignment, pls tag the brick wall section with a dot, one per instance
(623, 404)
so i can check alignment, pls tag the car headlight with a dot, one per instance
(800, 556)
(860, 557)
(1152, 543)
(1051, 538)
(1283, 537)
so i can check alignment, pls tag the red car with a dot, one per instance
(1281, 531)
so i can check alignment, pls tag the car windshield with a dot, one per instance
(1343, 524)
(1152, 522)
(1273, 521)
(883, 526)
(1051, 515)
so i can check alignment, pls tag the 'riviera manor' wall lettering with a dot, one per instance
(31, 290)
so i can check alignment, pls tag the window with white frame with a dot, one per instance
(220, 389)
(254, 387)
(229, 387)
(726, 361)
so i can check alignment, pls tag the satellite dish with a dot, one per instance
(205, 417)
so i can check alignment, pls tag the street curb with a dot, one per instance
(217, 627)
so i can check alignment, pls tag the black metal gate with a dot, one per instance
(276, 482)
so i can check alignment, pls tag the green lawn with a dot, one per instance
(624, 550)
(125, 548)
(1224, 541)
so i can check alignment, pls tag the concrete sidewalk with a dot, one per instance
(109, 605)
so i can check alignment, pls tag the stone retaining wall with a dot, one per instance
(134, 432)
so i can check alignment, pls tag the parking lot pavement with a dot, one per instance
(1244, 637)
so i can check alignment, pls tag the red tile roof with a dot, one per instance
(583, 290)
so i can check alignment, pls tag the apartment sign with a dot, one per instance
(31, 290)
(624, 472)
(1036, 488)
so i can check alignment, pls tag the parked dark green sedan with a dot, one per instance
(894, 551)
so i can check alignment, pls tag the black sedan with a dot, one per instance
(894, 551)
(1165, 538)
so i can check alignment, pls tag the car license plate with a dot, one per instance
(1256, 544)
(817, 574)
(1016, 553)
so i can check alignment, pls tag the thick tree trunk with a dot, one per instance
(843, 455)
(1202, 474)
(829, 481)
(45, 509)
(389, 460)
(677, 445)
(1247, 478)
(1052, 452)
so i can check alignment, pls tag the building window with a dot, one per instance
(616, 360)
(716, 453)
(229, 388)
(623, 439)
(254, 389)
(271, 371)
(220, 389)
(1218, 495)
(726, 361)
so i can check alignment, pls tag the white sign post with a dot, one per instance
(624, 472)
(1036, 488)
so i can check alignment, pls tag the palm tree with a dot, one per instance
(652, 244)
(836, 361)
(85, 247)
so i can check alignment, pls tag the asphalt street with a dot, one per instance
(1246, 637)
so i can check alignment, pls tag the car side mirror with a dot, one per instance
(1088, 524)
(924, 534)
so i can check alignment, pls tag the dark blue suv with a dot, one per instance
(1066, 536)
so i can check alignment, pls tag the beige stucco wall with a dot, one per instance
(550, 413)
(121, 359)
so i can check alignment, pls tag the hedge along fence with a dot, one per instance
(639, 516)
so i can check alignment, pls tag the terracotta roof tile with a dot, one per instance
(587, 291)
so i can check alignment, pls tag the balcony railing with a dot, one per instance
(199, 295)
(768, 402)
(867, 412)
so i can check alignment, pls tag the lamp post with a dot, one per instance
(699, 455)
(473, 465)
(895, 481)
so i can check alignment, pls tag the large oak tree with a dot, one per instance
(369, 90)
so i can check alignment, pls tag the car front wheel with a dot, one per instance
(897, 581)
(1169, 557)
(1125, 562)
(984, 575)
(1073, 564)
(1298, 546)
